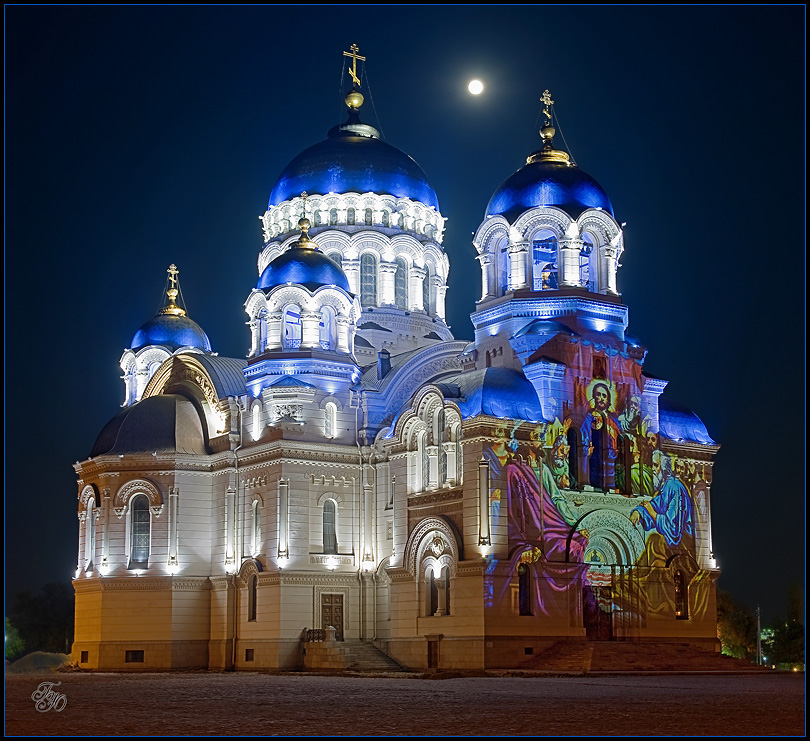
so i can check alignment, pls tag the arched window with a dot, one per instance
(329, 529)
(489, 360)
(386, 218)
(401, 284)
(431, 593)
(368, 280)
(524, 589)
(332, 216)
(336, 257)
(256, 421)
(90, 535)
(425, 460)
(573, 458)
(438, 436)
(318, 218)
(326, 328)
(253, 590)
(427, 290)
(446, 591)
(257, 528)
(502, 274)
(350, 216)
(292, 326)
(587, 273)
(369, 217)
(681, 597)
(140, 524)
(544, 261)
(330, 420)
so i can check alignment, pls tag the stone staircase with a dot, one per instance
(362, 656)
(583, 657)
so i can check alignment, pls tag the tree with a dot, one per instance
(14, 644)
(45, 620)
(736, 628)
(784, 647)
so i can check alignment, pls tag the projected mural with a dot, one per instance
(568, 489)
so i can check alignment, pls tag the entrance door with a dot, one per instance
(332, 613)
(598, 621)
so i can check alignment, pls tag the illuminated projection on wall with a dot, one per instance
(592, 502)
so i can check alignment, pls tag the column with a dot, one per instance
(310, 330)
(230, 526)
(517, 265)
(568, 261)
(343, 333)
(483, 503)
(173, 499)
(352, 269)
(274, 330)
(487, 279)
(441, 289)
(415, 298)
(283, 507)
(607, 280)
(387, 273)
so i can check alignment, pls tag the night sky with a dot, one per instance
(141, 136)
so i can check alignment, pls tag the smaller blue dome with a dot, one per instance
(497, 392)
(171, 331)
(303, 266)
(548, 183)
(678, 422)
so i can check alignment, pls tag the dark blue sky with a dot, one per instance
(140, 136)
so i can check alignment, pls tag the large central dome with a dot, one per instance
(354, 159)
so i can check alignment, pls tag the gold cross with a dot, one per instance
(546, 101)
(304, 197)
(354, 57)
(173, 271)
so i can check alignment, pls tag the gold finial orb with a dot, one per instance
(547, 133)
(354, 99)
(304, 224)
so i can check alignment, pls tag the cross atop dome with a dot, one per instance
(172, 292)
(354, 99)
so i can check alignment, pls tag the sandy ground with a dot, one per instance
(305, 705)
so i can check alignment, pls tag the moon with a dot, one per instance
(476, 87)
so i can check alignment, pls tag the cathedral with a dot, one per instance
(364, 477)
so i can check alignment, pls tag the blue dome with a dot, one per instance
(304, 266)
(171, 331)
(346, 163)
(678, 422)
(548, 183)
(497, 392)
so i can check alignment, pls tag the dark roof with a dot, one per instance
(160, 423)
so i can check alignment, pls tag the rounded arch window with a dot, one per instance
(544, 260)
(329, 527)
(140, 526)
(326, 328)
(368, 280)
(428, 290)
(256, 421)
(588, 263)
(401, 284)
(292, 326)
